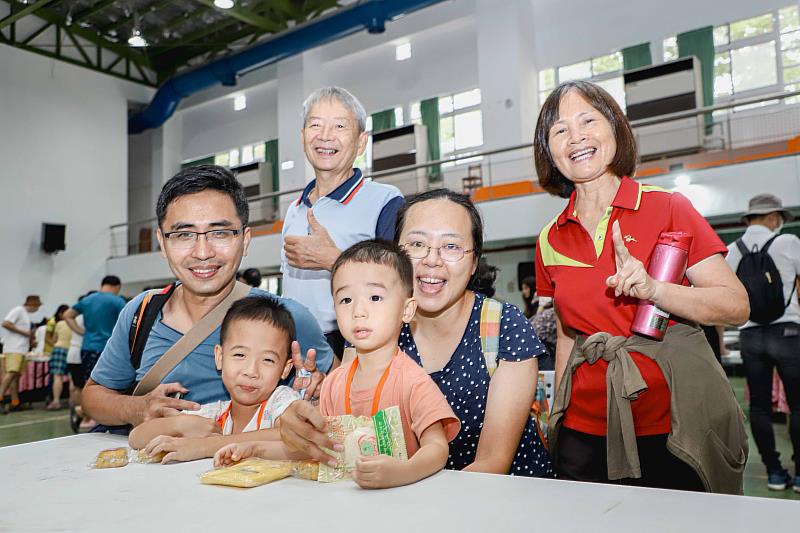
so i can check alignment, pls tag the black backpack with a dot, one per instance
(760, 276)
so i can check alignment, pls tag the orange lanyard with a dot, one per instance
(378, 390)
(221, 419)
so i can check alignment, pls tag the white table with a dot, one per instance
(48, 486)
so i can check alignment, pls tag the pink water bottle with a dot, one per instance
(668, 264)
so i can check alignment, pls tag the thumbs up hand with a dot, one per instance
(631, 278)
(315, 251)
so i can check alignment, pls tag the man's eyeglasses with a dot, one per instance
(451, 253)
(219, 238)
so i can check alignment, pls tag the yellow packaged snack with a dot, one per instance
(249, 473)
(306, 470)
(111, 458)
(361, 435)
(140, 456)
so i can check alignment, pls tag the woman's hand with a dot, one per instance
(303, 429)
(631, 278)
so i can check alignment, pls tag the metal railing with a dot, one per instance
(729, 130)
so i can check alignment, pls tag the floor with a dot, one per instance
(37, 424)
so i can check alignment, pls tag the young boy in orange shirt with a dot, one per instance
(372, 285)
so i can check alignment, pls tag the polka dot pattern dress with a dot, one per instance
(465, 383)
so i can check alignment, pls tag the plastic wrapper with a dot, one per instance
(361, 435)
(249, 473)
(305, 470)
(111, 458)
(140, 456)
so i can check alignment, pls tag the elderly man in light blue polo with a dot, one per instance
(337, 209)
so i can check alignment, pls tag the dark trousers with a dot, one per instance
(88, 362)
(582, 457)
(763, 349)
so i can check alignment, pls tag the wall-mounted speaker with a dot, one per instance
(53, 237)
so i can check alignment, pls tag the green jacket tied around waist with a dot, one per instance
(707, 429)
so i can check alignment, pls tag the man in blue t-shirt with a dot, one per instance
(202, 231)
(100, 311)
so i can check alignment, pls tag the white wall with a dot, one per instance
(65, 160)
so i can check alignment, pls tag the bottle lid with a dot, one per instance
(678, 239)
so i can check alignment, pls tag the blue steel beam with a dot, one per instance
(370, 15)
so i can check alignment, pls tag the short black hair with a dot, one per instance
(200, 178)
(260, 309)
(251, 276)
(114, 281)
(482, 280)
(379, 252)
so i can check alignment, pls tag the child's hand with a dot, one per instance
(177, 449)
(198, 426)
(378, 472)
(233, 453)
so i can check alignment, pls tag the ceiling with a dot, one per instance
(180, 33)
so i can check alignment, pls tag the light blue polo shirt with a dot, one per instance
(196, 371)
(357, 210)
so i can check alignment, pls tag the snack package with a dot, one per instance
(305, 470)
(249, 473)
(140, 456)
(111, 458)
(360, 435)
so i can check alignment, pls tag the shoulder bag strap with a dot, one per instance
(491, 312)
(189, 341)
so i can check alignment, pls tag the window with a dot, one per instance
(605, 71)
(757, 55)
(460, 122)
(670, 48)
(249, 153)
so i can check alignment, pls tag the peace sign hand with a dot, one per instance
(307, 379)
(631, 278)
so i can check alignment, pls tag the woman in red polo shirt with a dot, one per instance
(584, 150)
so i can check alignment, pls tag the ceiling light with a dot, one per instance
(136, 40)
(682, 180)
(239, 102)
(223, 4)
(403, 52)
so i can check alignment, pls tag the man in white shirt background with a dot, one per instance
(775, 344)
(17, 341)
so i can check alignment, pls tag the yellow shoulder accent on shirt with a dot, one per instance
(549, 256)
(649, 188)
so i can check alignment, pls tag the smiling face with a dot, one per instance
(331, 137)
(253, 359)
(371, 305)
(204, 269)
(581, 141)
(439, 284)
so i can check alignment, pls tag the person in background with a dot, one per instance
(528, 285)
(76, 381)
(100, 311)
(590, 260)
(337, 209)
(18, 341)
(250, 276)
(776, 344)
(61, 338)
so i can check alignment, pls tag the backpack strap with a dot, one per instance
(491, 313)
(742, 248)
(143, 321)
(768, 244)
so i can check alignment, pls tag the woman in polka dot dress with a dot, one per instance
(443, 233)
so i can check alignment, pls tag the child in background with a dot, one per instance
(372, 285)
(256, 337)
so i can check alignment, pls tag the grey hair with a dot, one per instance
(344, 97)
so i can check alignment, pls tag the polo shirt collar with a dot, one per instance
(342, 194)
(628, 197)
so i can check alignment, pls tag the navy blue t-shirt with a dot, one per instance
(465, 383)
